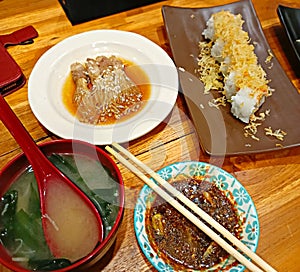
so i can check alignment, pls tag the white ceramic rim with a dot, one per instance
(51, 70)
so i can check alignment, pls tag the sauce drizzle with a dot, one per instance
(133, 71)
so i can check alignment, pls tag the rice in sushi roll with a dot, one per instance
(244, 81)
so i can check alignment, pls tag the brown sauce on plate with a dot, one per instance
(133, 71)
(177, 240)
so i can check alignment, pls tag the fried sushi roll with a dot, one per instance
(244, 81)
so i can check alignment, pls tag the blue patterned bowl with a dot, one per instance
(225, 182)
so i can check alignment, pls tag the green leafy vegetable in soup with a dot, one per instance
(21, 229)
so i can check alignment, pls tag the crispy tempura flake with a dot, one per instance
(250, 130)
(278, 133)
(220, 101)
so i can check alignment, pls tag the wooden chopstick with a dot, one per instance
(207, 230)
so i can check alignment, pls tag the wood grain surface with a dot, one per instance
(272, 179)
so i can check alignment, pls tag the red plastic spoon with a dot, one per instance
(71, 223)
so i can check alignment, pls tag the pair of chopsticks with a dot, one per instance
(189, 215)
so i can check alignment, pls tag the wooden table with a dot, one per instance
(272, 179)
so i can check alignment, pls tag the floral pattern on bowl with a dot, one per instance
(225, 181)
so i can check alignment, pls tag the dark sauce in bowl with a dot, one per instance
(177, 240)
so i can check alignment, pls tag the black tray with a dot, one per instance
(290, 19)
(80, 11)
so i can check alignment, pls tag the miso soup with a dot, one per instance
(21, 229)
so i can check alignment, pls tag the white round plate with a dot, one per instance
(51, 70)
(226, 182)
